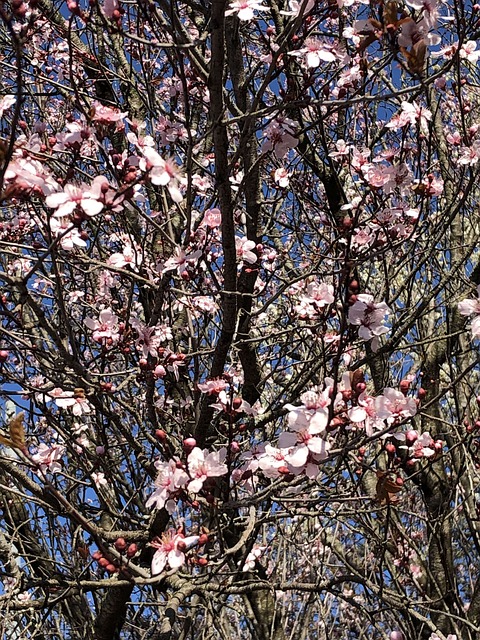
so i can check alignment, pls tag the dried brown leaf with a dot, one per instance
(17, 431)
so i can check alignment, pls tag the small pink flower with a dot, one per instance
(315, 52)
(244, 9)
(165, 173)
(180, 260)
(280, 137)
(130, 257)
(203, 465)
(244, 250)
(212, 387)
(255, 554)
(105, 327)
(468, 51)
(471, 306)
(212, 218)
(65, 202)
(47, 458)
(370, 317)
(6, 102)
(99, 479)
(170, 551)
(104, 114)
(282, 177)
(169, 482)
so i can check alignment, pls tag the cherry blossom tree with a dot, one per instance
(239, 320)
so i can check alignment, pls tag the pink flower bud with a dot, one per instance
(189, 443)
(411, 437)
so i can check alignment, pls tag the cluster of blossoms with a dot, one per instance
(74, 400)
(48, 458)
(73, 203)
(173, 479)
(311, 298)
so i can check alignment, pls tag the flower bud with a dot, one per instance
(120, 544)
(189, 443)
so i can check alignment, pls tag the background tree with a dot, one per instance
(238, 320)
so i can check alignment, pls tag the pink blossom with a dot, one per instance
(244, 8)
(63, 399)
(169, 481)
(271, 460)
(163, 173)
(99, 479)
(255, 554)
(129, 257)
(212, 218)
(203, 465)
(68, 235)
(411, 113)
(343, 149)
(282, 177)
(320, 294)
(104, 114)
(470, 155)
(65, 202)
(225, 403)
(47, 458)
(303, 438)
(6, 102)
(370, 317)
(205, 304)
(280, 137)
(315, 51)
(81, 406)
(105, 327)
(423, 447)
(468, 51)
(212, 387)
(305, 424)
(471, 306)
(170, 551)
(180, 260)
(366, 412)
(244, 250)
(393, 404)
(297, 7)
(109, 6)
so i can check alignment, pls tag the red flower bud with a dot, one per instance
(120, 544)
